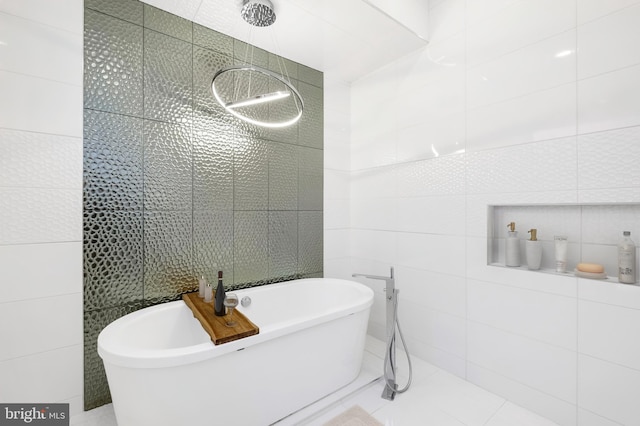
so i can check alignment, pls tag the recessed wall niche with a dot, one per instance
(174, 187)
(593, 232)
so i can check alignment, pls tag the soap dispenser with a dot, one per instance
(218, 306)
(534, 250)
(512, 247)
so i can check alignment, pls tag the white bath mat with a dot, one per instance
(354, 416)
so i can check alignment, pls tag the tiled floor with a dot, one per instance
(435, 398)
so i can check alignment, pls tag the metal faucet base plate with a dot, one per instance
(388, 393)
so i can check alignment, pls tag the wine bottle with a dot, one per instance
(218, 306)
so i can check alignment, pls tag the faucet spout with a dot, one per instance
(376, 277)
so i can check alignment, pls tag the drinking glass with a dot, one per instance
(231, 301)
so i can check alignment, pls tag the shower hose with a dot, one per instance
(389, 360)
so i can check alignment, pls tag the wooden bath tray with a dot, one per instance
(216, 326)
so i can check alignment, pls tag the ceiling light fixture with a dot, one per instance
(254, 94)
(258, 99)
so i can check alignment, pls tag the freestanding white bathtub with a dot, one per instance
(163, 369)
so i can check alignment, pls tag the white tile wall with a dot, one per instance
(336, 214)
(550, 369)
(520, 311)
(375, 245)
(53, 53)
(507, 31)
(29, 159)
(438, 292)
(376, 182)
(446, 18)
(437, 176)
(40, 215)
(432, 215)
(608, 390)
(337, 107)
(609, 101)
(339, 267)
(539, 166)
(615, 167)
(600, 54)
(40, 105)
(592, 9)
(543, 115)
(374, 213)
(609, 195)
(431, 139)
(63, 14)
(55, 375)
(609, 293)
(513, 102)
(438, 253)
(441, 95)
(31, 271)
(40, 325)
(477, 219)
(41, 201)
(439, 330)
(334, 244)
(605, 224)
(437, 59)
(443, 359)
(617, 326)
(337, 179)
(336, 184)
(548, 63)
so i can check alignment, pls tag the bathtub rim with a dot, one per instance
(112, 352)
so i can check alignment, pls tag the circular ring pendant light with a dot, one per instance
(254, 94)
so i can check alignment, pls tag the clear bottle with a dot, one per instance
(627, 259)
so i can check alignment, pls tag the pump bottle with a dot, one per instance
(512, 247)
(534, 251)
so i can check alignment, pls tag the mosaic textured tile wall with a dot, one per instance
(174, 187)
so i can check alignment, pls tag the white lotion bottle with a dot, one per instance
(561, 243)
(534, 251)
(626, 259)
(512, 247)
